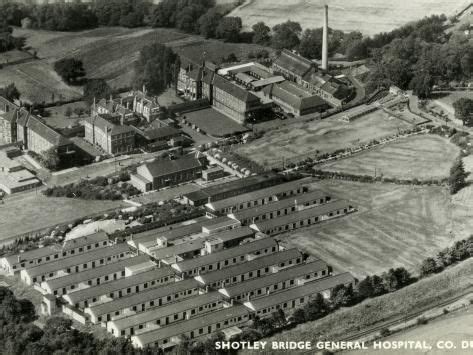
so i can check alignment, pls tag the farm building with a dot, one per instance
(155, 318)
(256, 198)
(193, 328)
(142, 301)
(15, 263)
(297, 297)
(289, 277)
(251, 269)
(163, 173)
(304, 218)
(281, 208)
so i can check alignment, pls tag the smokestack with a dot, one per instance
(325, 41)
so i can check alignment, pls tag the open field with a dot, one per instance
(21, 214)
(57, 118)
(423, 294)
(325, 136)
(395, 226)
(14, 56)
(445, 102)
(368, 16)
(456, 327)
(423, 157)
(38, 82)
(214, 123)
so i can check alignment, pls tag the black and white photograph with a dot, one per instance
(236, 177)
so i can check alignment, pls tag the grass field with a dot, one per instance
(456, 327)
(31, 212)
(368, 16)
(395, 226)
(445, 103)
(326, 136)
(423, 157)
(38, 82)
(348, 321)
(14, 56)
(57, 118)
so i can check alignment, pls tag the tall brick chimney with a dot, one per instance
(324, 65)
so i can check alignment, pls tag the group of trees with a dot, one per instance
(464, 111)
(10, 92)
(418, 56)
(460, 251)
(71, 70)
(18, 334)
(156, 68)
(7, 40)
(457, 178)
(127, 13)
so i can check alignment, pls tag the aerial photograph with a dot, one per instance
(236, 177)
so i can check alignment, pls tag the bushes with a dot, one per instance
(98, 188)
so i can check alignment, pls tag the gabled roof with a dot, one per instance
(294, 96)
(46, 132)
(166, 167)
(294, 63)
(10, 116)
(105, 125)
(308, 289)
(234, 90)
(85, 240)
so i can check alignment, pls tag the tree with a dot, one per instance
(261, 34)
(286, 35)
(229, 29)
(79, 111)
(156, 68)
(342, 296)
(71, 70)
(311, 43)
(421, 85)
(364, 289)
(68, 112)
(10, 92)
(316, 308)
(298, 316)
(428, 267)
(209, 22)
(464, 110)
(457, 179)
(96, 89)
(51, 159)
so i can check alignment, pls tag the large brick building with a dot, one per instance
(8, 117)
(109, 134)
(162, 173)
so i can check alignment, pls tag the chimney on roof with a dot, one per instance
(324, 65)
(144, 89)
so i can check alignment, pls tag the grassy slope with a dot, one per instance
(422, 157)
(348, 321)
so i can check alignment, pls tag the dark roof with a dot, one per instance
(46, 132)
(294, 63)
(294, 96)
(169, 232)
(234, 90)
(101, 122)
(85, 240)
(11, 115)
(166, 167)
(235, 185)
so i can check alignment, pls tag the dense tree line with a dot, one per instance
(18, 334)
(127, 13)
(457, 178)
(464, 111)
(156, 68)
(7, 40)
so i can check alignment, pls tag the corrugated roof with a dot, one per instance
(280, 276)
(167, 310)
(258, 263)
(85, 240)
(148, 295)
(244, 249)
(119, 284)
(301, 215)
(308, 289)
